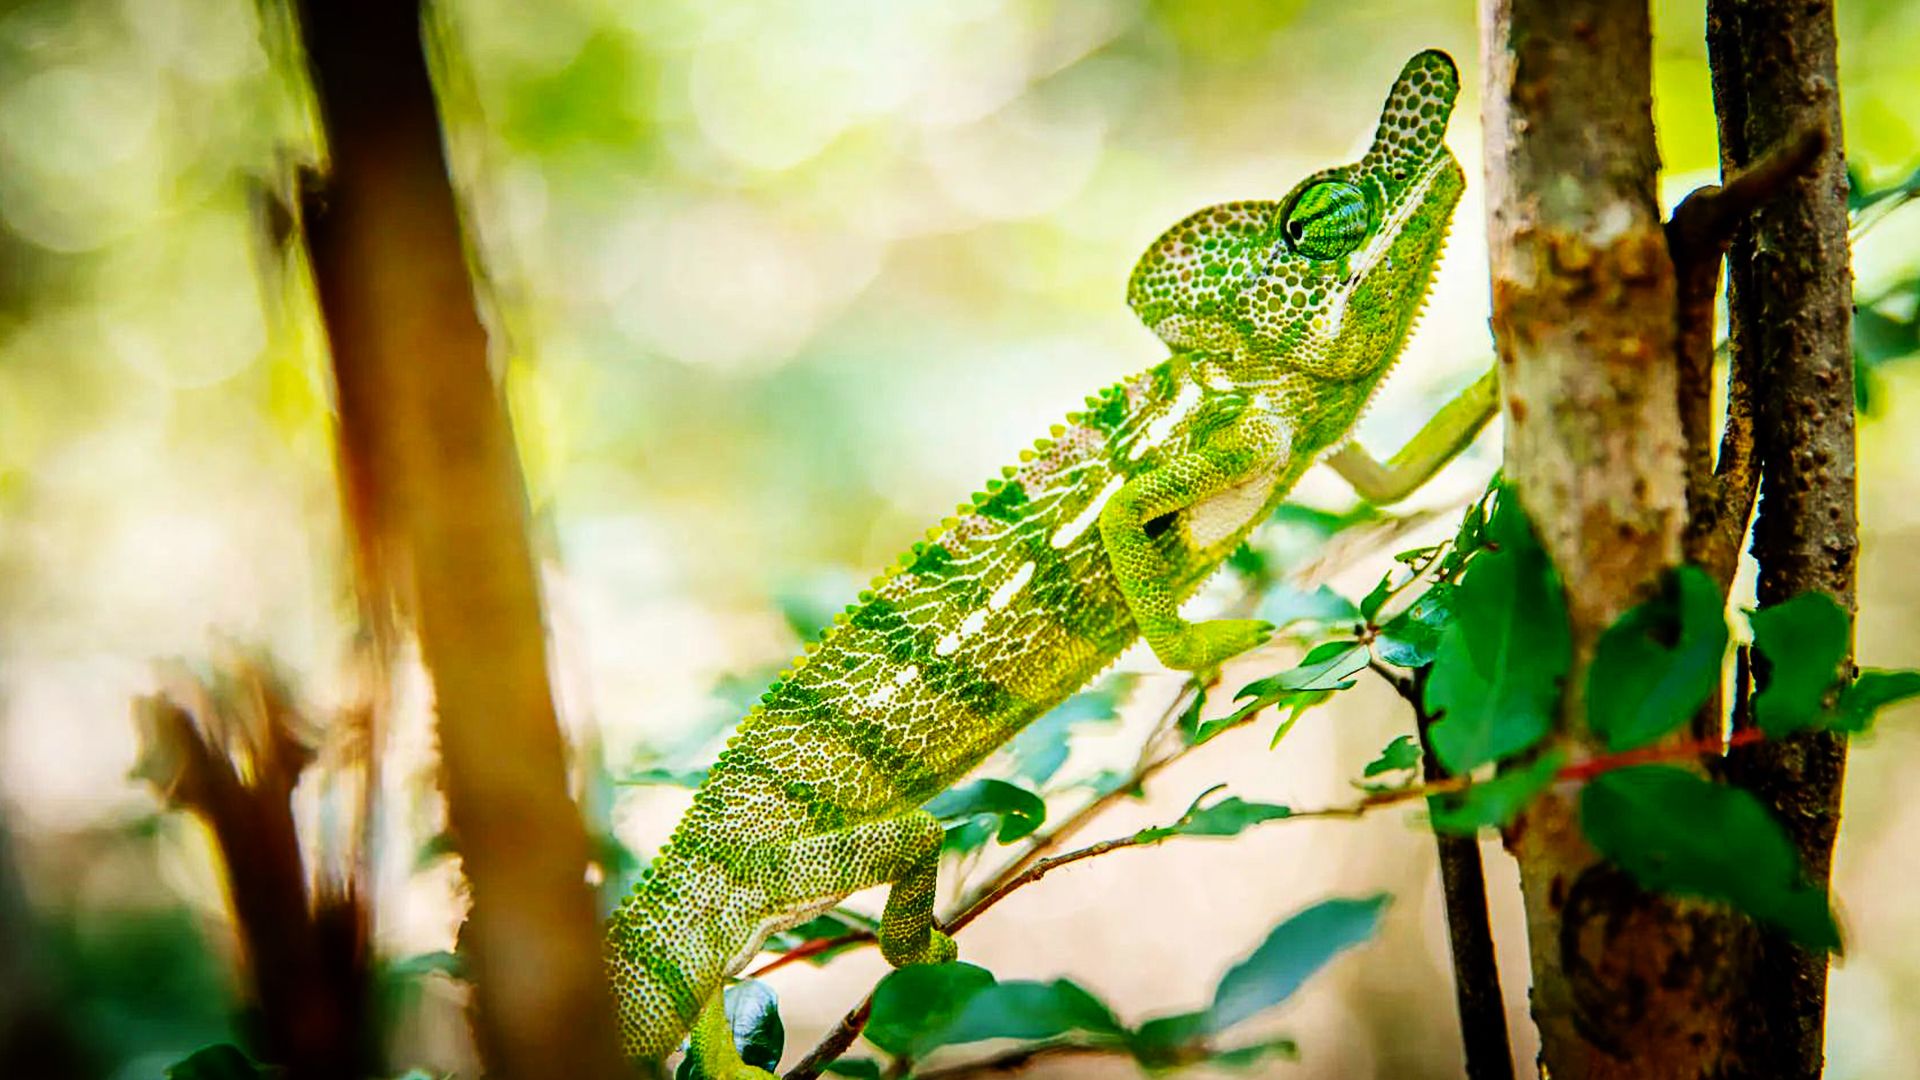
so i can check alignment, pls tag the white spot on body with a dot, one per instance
(1084, 520)
(946, 645)
(1011, 587)
(881, 697)
(975, 622)
(907, 674)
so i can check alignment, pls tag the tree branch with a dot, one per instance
(1721, 495)
(1790, 303)
(1463, 884)
(437, 508)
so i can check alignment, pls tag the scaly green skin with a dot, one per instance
(1283, 316)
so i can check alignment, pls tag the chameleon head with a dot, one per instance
(1329, 278)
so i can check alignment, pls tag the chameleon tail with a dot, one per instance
(667, 953)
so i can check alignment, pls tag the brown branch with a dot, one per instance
(1463, 885)
(1720, 495)
(1014, 1061)
(232, 756)
(835, 1042)
(438, 511)
(1790, 303)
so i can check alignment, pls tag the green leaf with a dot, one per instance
(1327, 667)
(685, 778)
(1167, 1040)
(968, 809)
(753, 1015)
(1370, 603)
(1871, 692)
(1026, 1010)
(1041, 747)
(1409, 639)
(858, 1068)
(1859, 197)
(1678, 833)
(1291, 954)
(1658, 663)
(1230, 816)
(917, 1002)
(1284, 606)
(1256, 1054)
(1804, 641)
(220, 1062)
(1192, 731)
(1497, 669)
(1495, 803)
(1401, 753)
(1471, 536)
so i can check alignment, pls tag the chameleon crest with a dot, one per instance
(1283, 315)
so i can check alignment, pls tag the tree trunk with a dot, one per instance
(439, 512)
(1625, 984)
(1790, 298)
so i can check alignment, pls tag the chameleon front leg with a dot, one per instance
(1450, 431)
(1235, 455)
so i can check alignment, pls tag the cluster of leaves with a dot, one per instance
(919, 1010)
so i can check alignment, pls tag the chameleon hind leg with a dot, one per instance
(712, 1044)
(903, 851)
(1239, 453)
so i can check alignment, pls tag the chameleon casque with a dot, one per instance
(1282, 316)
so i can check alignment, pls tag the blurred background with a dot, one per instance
(774, 284)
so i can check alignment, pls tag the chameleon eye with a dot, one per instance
(1327, 220)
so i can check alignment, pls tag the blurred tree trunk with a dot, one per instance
(1790, 299)
(438, 510)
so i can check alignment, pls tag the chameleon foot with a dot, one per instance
(939, 949)
(1199, 646)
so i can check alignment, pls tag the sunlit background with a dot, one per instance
(775, 284)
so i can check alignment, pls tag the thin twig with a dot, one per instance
(1463, 886)
(1014, 1061)
(836, 1042)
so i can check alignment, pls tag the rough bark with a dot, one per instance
(1626, 984)
(1790, 297)
(434, 490)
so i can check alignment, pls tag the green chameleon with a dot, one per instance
(1283, 317)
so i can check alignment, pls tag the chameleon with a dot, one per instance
(1281, 318)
